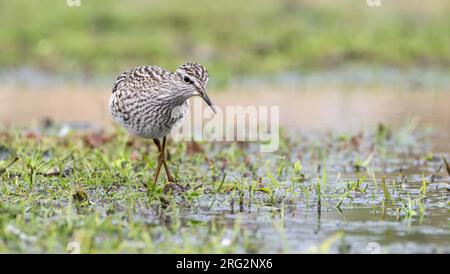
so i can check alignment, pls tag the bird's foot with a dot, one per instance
(172, 188)
(171, 179)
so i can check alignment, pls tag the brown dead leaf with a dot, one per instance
(94, 140)
(194, 148)
(31, 135)
(356, 140)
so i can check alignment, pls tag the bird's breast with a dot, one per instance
(145, 117)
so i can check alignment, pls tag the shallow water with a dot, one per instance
(366, 223)
(300, 109)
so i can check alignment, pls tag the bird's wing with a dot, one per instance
(144, 77)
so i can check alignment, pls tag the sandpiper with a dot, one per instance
(149, 101)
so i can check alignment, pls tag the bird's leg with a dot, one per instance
(160, 159)
(163, 152)
(158, 144)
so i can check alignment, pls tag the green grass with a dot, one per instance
(232, 38)
(91, 189)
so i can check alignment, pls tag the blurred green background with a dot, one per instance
(232, 38)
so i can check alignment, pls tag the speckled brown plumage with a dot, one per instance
(149, 101)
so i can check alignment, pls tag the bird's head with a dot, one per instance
(192, 79)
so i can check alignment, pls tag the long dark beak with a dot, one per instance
(205, 97)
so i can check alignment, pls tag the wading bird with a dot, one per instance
(149, 101)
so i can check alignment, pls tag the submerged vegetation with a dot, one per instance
(60, 189)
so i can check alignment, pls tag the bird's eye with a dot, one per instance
(187, 80)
